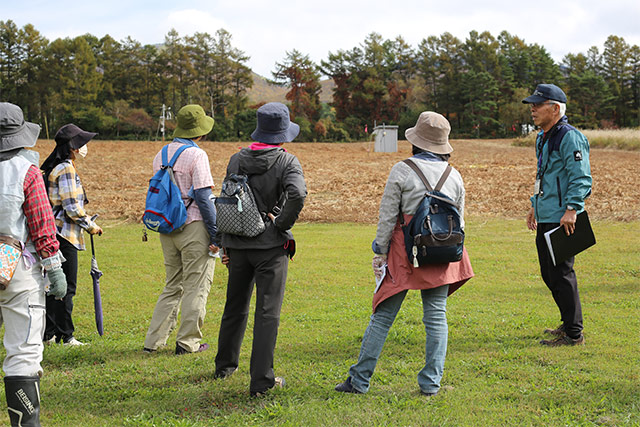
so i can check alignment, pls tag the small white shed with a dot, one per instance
(386, 138)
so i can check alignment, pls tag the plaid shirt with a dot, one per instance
(68, 199)
(36, 207)
(191, 170)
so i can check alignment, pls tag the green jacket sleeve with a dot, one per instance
(574, 150)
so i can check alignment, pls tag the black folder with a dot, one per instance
(562, 247)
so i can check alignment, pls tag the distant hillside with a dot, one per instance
(263, 91)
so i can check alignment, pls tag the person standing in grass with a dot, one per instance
(68, 199)
(188, 251)
(26, 222)
(274, 174)
(563, 182)
(403, 194)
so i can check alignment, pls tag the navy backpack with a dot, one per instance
(434, 234)
(164, 209)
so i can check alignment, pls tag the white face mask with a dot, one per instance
(83, 151)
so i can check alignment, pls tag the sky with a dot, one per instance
(267, 30)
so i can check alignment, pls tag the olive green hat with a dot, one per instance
(192, 122)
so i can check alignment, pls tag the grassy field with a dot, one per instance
(499, 374)
(622, 139)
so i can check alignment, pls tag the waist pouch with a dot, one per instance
(10, 253)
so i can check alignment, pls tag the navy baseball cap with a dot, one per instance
(546, 92)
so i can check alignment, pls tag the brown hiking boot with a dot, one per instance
(555, 332)
(563, 340)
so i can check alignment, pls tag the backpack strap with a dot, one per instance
(443, 178)
(423, 178)
(165, 155)
(417, 170)
(169, 165)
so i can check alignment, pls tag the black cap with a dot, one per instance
(546, 92)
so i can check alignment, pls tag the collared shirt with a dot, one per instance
(68, 199)
(191, 170)
(36, 207)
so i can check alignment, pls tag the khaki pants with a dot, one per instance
(189, 273)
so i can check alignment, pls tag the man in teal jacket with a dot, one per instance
(563, 182)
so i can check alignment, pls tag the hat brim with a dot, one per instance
(534, 99)
(81, 139)
(287, 135)
(25, 138)
(203, 129)
(437, 147)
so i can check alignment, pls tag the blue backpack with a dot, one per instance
(434, 235)
(164, 209)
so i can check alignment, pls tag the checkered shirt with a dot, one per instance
(68, 199)
(36, 207)
(191, 170)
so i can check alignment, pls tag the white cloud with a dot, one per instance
(266, 30)
(190, 21)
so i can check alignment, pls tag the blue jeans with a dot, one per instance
(434, 306)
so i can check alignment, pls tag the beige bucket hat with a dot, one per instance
(431, 133)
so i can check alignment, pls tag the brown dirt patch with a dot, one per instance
(346, 181)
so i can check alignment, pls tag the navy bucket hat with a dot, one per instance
(546, 92)
(274, 125)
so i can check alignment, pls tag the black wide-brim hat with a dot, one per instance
(73, 135)
(15, 132)
(274, 125)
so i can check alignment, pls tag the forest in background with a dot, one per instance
(119, 88)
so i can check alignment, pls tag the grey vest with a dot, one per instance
(13, 171)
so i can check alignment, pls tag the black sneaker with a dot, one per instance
(347, 387)
(279, 382)
(224, 373)
(180, 350)
(148, 350)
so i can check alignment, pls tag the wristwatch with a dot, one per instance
(571, 208)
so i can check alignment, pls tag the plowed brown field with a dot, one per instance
(346, 181)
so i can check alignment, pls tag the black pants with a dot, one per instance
(59, 322)
(269, 267)
(561, 280)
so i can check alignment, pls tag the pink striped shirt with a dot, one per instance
(191, 170)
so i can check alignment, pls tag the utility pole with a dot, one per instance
(166, 114)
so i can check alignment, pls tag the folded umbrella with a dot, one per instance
(97, 300)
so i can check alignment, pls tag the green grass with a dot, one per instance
(499, 374)
(622, 139)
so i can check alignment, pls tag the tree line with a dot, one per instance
(118, 88)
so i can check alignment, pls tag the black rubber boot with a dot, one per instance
(23, 400)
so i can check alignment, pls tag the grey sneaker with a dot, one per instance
(49, 341)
